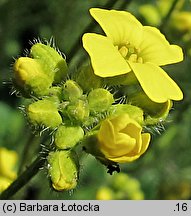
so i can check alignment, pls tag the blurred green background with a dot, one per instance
(164, 172)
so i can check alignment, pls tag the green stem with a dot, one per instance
(24, 178)
(168, 15)
(26, 152)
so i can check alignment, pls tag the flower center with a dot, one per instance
(130, 53)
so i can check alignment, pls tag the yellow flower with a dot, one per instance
(8, 160)
(120, 139)
(130, 46)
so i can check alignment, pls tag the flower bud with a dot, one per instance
(67, 136)
(30, 77)
(71, 90)
(99, 100)
(120, 139)
(63, 170)
(77, 110)
(53, 63)
(44, 113)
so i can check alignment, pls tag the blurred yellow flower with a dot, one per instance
(104, 193)
(130, 46)
(120, 139)
(8, 160)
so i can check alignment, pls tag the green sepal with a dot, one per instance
(90, 146)
(134, 112)
(153, 112)
(53, 63)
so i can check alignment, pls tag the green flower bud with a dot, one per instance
(134, 112)
(67, 136)
(100, 100)
(77, 110)
(87, 79)
(30, 77)
(63, 170)
(44, 113)
(71, 90)
(53, 63)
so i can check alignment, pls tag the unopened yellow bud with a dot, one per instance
(67, 136)
(44, 113)
(121, 140)
(30, 76)
(63, 170)
(100, 100)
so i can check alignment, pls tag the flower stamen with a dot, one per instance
(130, 53)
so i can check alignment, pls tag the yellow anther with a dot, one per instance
(133, 58)
(123, 50)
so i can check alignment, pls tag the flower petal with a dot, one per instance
(123, 145)
(156, 49)
(157, 85)
(120, 122)
(124, 159)
(105, 57)
(120, 26)
(145, 142)
(106, 133)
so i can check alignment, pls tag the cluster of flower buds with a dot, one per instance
(105, 107)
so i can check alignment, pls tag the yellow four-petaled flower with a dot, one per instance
(130, 46)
